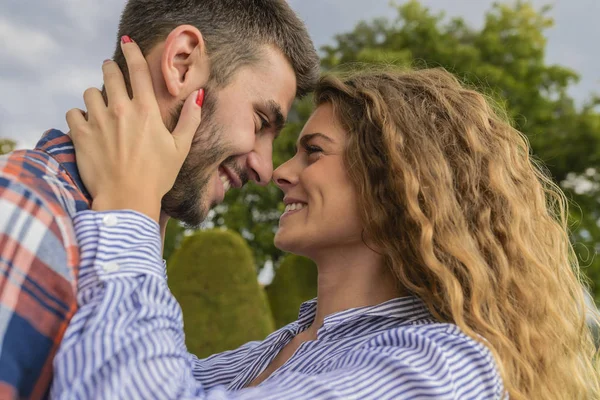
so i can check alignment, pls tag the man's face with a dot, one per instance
(235, 139)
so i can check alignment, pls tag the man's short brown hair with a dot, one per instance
(234, 32)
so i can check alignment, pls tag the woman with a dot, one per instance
(450, 204)
(445, 269)
(448, 196)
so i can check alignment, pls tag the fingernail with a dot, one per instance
(126, 39)
(200, 98)
(107, 60)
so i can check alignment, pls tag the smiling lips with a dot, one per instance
(228, 179)
(292, 206)
(289, 208)
(226, 182)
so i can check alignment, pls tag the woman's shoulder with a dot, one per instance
(441, 352)
(444, 338)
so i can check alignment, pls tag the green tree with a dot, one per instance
(212, 275)
(295, 282)
(506, 60)
(7, 145)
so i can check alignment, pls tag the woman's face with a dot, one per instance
(321, 203)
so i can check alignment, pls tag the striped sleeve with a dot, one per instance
(126, 341)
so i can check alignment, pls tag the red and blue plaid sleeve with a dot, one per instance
(38, 260)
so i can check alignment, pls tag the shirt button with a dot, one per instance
(111, 267)
(110, 220)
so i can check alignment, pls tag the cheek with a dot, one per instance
(342, 211)
(238, 131)
(332, 218)
(335, 201)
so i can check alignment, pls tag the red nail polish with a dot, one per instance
(200, 98)
(126, 39)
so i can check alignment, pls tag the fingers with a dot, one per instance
(94, 103)
(114, 83)
(139, 73)
(77, 122)
(189, 121)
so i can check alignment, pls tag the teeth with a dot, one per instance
(226, 182)
(294, 207)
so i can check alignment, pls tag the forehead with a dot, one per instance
(271, 78)
(323, 120)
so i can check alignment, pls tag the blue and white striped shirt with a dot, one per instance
(126, 341)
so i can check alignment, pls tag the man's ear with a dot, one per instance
(184, 63)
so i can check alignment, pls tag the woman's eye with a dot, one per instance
(313, 151)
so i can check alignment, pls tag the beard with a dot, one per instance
(186, 201)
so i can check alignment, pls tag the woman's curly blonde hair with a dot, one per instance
(469, 223)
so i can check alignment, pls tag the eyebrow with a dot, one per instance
(303, 141)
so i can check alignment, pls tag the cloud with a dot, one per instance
(52, 54)
(91, 17)
(25, 46)
(51, 51)
(73, 80)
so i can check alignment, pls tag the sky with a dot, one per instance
(51, 51)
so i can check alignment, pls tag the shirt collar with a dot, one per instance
(60, 147)
(404, 309)
(308, 311)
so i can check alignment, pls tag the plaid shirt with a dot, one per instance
(40, 192)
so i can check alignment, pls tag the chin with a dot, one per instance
(279, 243)
(290, 244)
(282, 244)
(192, 214)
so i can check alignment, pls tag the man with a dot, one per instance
(250, 57)
(358, 341)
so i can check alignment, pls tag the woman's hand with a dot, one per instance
(126, 156)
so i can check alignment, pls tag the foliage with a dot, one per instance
(295, 282)
(7, 145)
(173, 237)
(213, 278)
(505, 59)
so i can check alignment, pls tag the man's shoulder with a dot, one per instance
(39, 254)
(27, 164)
(36, 175)
(37, 203)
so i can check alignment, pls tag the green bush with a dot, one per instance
(173, 237)
(295, 282)
(213, 277)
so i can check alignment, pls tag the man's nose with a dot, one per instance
(260, 167)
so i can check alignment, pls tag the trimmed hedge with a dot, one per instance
(213, 277)
(295, 282)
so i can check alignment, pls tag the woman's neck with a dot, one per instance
(351, 278)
